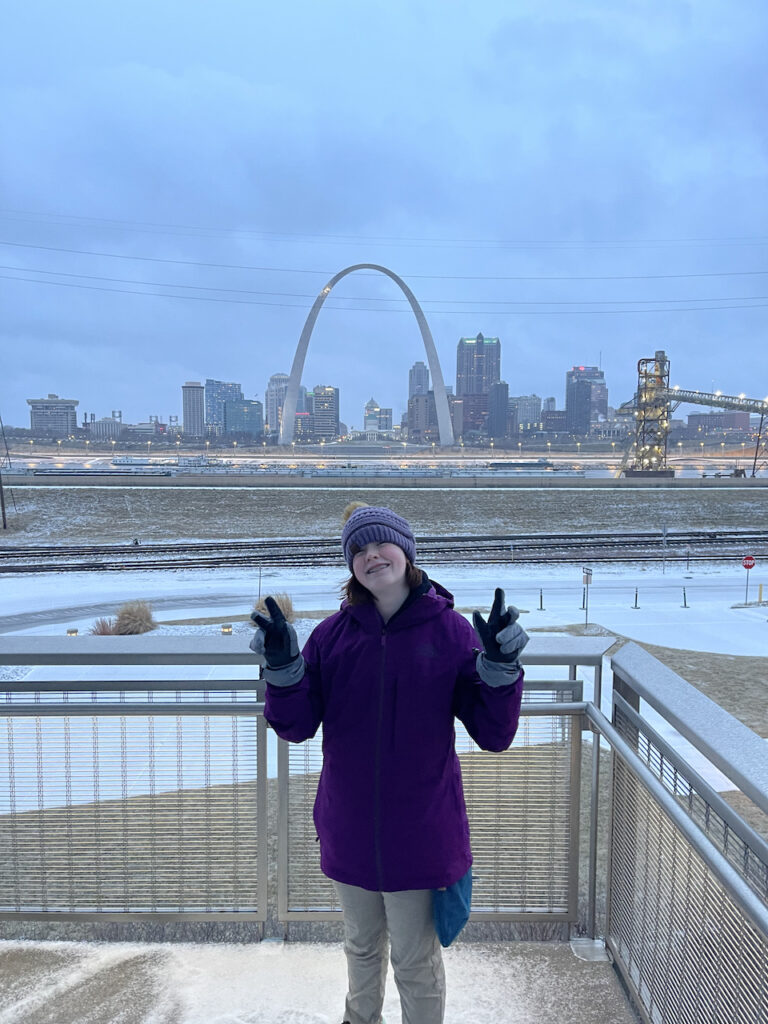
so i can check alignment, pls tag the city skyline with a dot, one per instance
(161, 224)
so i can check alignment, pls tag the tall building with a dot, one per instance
(418, 379)
(193, 408)
(325, 405)
(586, 397)
(217, 392)
(376, 418)
(274, 398)
(244, 417)
(549, 405)
(498, 410)
(478, 365)
(53, 416)
(422, 419)
(371, 415)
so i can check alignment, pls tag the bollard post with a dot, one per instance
(685, 599)
(635, 605)
(541, 600)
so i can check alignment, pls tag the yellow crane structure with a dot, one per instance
(653, 405)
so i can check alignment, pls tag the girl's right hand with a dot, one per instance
(275, 638)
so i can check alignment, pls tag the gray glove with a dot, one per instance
(276, 646)
(502, 636)
(503, 639)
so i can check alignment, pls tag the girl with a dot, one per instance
(386, 676)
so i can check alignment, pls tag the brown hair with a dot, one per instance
(355, 593)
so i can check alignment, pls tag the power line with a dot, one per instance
(421, 277)
(492, 243)
(371, 309)
(376, 298)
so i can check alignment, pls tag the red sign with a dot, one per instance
(748, 562)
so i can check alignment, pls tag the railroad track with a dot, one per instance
(717, 545)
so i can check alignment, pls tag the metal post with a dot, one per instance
(685, 599)
(594, 811)
(2, 503)
(635, 605)
(746, 592)
(583, 598)
(541, 600)
(757, 443)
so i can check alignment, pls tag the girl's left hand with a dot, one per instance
(502, 636)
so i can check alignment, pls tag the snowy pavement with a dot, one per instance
(48, 603)
(297, 983)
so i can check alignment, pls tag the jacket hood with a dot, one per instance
(428, 601)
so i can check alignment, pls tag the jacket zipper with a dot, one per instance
(377, 770)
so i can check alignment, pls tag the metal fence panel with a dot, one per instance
(523, 807)
(110, 813)
(688, 952)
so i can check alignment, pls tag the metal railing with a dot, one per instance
(126, 792)
(687, 919)
(148, 796)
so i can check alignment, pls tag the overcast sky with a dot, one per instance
(586, 180)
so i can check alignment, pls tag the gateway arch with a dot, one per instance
(445, 428)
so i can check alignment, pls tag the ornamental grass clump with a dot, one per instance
(133, 618)
(284, 603)
(102, 627)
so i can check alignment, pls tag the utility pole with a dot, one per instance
(2, 503)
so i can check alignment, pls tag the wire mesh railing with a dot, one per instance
(687, 918)
(132, 802)
(522, 804)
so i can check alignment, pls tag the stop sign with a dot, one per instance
(748, 562)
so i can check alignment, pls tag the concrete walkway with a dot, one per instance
(291, 983)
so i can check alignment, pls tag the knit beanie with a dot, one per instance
(367, 524)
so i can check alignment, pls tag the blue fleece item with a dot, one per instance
(451, 907)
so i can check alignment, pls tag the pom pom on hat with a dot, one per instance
(367, 524)
(351, 507)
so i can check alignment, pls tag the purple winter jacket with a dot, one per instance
(390, 812)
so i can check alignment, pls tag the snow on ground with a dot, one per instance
(48, 602)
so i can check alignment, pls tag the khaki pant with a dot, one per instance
(415, 953)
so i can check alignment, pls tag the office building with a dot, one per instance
(498, 410)
(376, 419)
(325, 411)
(478, 365)
(418, 379)
(274, 398)
(53, 416)
(586, 398)
(422, 419)
(526, 410)
(245, 417)
(217, 392)
(193, 408)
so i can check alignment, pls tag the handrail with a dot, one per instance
(726, 874)
(731, 746)
(232, 650)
